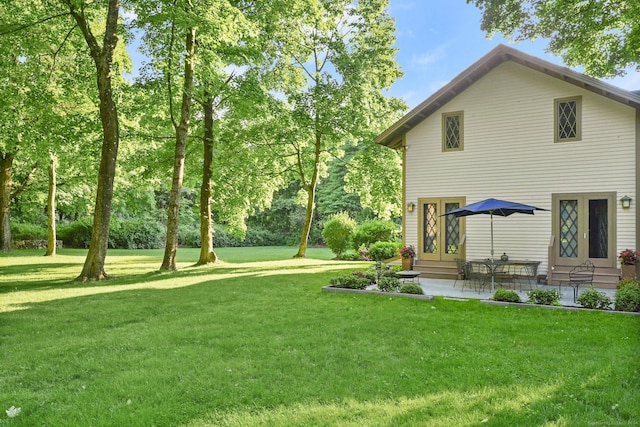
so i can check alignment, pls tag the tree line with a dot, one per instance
(239, 98)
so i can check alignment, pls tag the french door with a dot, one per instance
(440, 237)
(584, 228)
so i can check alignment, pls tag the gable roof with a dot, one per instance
(392, 137)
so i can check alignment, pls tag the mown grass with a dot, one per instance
(254, 342)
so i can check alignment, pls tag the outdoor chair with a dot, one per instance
(578, 276)
(460, 270)
(476, 274)
(528, 272)
(503, 275)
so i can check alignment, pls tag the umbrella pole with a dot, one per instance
(493, 269)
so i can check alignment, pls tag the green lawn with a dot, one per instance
(254, 342)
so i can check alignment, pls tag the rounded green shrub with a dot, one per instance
(411, 288)
(374, 231)
(389, 284)
(592, 298)
(628, 296)
(544, 297)
(506, 295)
(337, 233)
(350, 282)
(380, 251)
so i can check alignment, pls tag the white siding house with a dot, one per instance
(518, 128)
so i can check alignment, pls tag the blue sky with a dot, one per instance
(438, 39)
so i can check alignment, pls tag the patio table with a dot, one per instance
(511, 269)
(405, 275)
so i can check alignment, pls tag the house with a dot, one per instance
(518, 128)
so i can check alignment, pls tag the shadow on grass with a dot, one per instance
(22, 294)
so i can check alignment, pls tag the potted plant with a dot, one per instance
(628, 260)
(408, 253)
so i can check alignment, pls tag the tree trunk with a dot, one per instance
(93, 268)
(51, 209)
(6, 167)
(207, 254)
(182, 131)
(311, 200)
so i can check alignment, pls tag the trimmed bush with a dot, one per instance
(337, 233)
(628, 296)
(544, 297)
(28, 232)
(374, 231)
(136, 233)
(411, 288)
(380, 251)
(389, 284)
(76, 234)
(349, 282)
(506, 295)
(591, 298)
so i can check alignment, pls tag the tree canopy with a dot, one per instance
(601, 35)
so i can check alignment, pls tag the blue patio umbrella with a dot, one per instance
(493, 207)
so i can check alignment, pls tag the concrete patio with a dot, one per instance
(445, 288)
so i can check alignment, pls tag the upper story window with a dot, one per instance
(453, 131)
(568, 119)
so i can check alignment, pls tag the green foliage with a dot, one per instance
(337, 232)
(599, 35)
(506, 295)
(21, 231)
(380, 251)
(411, 288)
(594, 299)
(389, 284)
(76, 234)
(544, 297)
(375, 231)
(350, 282)
(136, 233)
(628, 296)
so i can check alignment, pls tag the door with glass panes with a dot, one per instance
(440, 237)
(584, 228)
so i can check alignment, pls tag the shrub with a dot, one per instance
(628, 296)
(544, 297)
(388, 284)
(350, 282)
(506, 295)
(337, 232)
(374, 231)
(411, 288)
(76, 234)
(370, 275)
(379, 251)
(28, 232)
(136, 233)
(591, 298)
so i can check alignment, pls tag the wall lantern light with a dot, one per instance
(626, 202)
(410, 206)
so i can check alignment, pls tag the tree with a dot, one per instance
(601, 35)
(339, 57)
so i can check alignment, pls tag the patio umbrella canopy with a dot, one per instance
(494, 207)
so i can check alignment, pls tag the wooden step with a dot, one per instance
(437, 269)
(607, 278)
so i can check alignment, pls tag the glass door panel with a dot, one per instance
(440, 236)
(583, 226)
